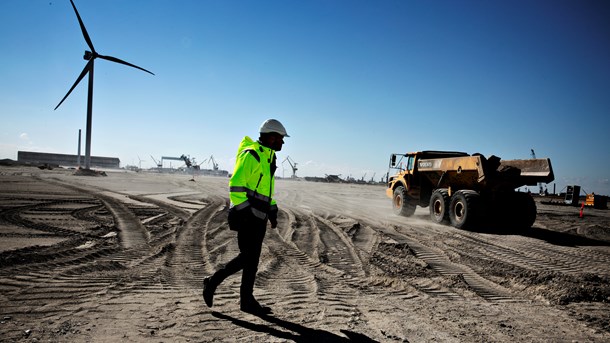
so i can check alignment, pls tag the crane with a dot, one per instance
(186, 160)
(293, 165)
(214, 164)
(159, 165)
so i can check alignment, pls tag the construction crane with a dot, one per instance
(293, 165)
(540, 190)
(159, 165)
(186, 160)
(214, 164)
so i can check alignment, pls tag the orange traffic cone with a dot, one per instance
(582, 207)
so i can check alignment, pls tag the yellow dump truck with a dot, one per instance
(466, 190)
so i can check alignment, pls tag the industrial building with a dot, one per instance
(66, 160)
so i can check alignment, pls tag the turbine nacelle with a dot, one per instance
(89, 55)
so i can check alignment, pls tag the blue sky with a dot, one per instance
(352, 81)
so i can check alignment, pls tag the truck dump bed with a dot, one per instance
(532, 170)
(476, 171)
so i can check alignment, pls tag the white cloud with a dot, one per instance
(24, 136)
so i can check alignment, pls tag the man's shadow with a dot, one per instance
(299, 332)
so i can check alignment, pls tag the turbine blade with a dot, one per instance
(114, 59)
(80, 77)
(82, 27)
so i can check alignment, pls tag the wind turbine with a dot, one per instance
(140, 163)
(91, 56)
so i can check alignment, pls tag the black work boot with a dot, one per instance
(209, 287)
(253, 307)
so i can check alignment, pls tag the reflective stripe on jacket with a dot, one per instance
(252, 182)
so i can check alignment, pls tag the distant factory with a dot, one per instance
(65, 160)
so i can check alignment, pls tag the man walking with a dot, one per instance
(252, 205)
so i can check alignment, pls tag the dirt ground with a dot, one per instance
(122, 257)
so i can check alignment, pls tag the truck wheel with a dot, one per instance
(463, 209)
(402, 204)
(527, 210)
(439, 206)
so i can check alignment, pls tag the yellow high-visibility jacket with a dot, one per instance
(252, 182)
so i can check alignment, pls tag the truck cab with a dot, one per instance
(406, 173)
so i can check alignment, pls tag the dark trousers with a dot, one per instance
(250, 242)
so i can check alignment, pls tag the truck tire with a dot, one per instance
(463, 209)
(514, 211)
(439, 206)
(402, 204)
(526, 215)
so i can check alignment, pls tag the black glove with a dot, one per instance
(273, 218)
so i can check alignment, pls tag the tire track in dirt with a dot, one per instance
(324, 290)
(80, 246)
(288, 277)
(184, 262)
(289, 274)
(126, 278)
(19, 216)
(436, 260)
(520, 251)
(131, 231)
(75, 274)
(338, 250)
(91, 214)
(318, 287)
(174, 260)
(441, 257)
(533, 255)
(439, 262)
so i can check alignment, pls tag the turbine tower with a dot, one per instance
(91, 56)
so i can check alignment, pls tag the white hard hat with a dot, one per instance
(272, 125)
